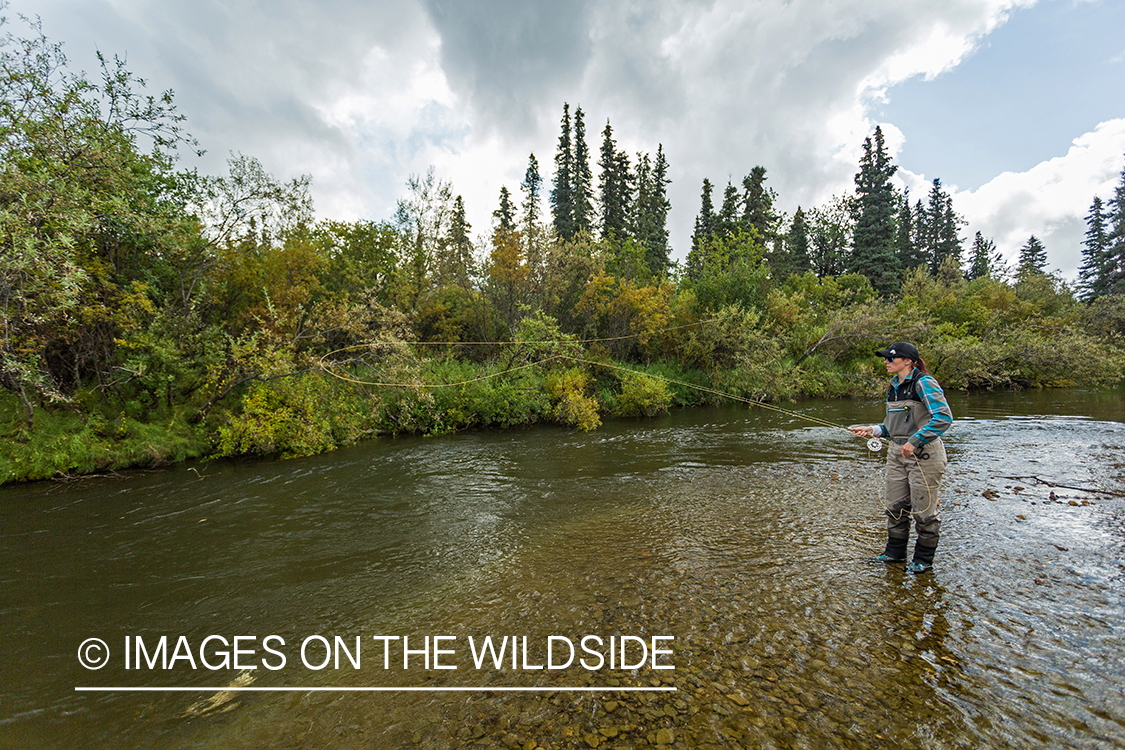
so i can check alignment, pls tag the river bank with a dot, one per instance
(319, 412)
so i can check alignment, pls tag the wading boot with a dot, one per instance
(894, 553)
(923, 559)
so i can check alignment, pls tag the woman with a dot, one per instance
(917, 416)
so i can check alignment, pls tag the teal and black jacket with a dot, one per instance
(902, 418)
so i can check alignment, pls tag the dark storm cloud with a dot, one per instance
(510, 58)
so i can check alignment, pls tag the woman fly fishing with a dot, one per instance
(917, 416)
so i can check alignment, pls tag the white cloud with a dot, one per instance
(1050, 199)
(949, 34)
(726, 86)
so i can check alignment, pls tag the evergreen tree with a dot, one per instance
(456, 264)
(795, 258)
(506, 214)
(650, 211)
(656, 239)
(935, 210)
(907, 251)
(1093, 276)
(938, 228)
(921, 236)
(1033, 258)
(984, 259)
(613, 184)
(626, 191)
(643, 183)
(1115, 250)
(704, 229)
(873, 249)
(562, 190)
(728, 221)
(532, 188)
(948, 241)
(758, 214)
(582, 187)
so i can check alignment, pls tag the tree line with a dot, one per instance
(152, 313)
(878, 233)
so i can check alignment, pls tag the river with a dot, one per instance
(728, 543)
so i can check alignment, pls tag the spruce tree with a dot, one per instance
(650, 211)
(1093, 275)
(983, 260)
(613, 184)
(703, 232)
(934, 212)
(938, 228)
(532, 188)
(582, 187)
(626, 192)
(656, 239)
(921, 236)
(758, 214)
(948, 241)
(907, 251)
(1115, 250)
(643, 182)
(607, 185)
(455, 261)
(728, 220)
(506, 214)
(796, 256)
(873, 244)
(1033, 258)
(562, 190)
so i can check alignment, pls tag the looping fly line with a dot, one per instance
(327, 369)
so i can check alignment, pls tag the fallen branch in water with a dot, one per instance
(1112, 493)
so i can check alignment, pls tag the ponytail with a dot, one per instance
(921, 366)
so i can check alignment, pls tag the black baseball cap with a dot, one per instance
(900, 349)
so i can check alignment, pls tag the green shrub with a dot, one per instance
(567, 388)
(641, 395)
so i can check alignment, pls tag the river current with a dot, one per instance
(728, 543)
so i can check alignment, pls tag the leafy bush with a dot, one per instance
(572, 404)
(642, 395)
(277, 418)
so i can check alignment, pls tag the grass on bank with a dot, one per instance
(64, 443)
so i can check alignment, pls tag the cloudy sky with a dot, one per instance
(1017, 106)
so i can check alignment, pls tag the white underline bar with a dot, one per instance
(128, 689)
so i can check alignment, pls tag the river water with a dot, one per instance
(733, 540)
